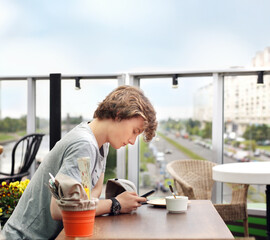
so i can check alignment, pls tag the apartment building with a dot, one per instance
(245, 101)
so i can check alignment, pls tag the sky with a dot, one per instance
(121, 36)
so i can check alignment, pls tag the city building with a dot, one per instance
(245, 101)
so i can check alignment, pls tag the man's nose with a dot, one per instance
(132, 140)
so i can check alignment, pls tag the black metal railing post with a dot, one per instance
(55, 108)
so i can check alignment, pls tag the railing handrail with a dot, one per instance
(202, 73)
(65, 77)
(161, 74)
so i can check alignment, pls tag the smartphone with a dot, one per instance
(148, 193)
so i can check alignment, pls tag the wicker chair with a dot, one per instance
(237, 208)
(192, 178)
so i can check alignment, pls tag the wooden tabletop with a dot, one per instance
(201, 221)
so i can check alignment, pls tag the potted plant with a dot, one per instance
(10, 194)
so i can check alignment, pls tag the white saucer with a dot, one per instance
(177, 211)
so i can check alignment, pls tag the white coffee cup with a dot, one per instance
(176, 205)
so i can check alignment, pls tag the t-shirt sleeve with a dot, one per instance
(72, 153)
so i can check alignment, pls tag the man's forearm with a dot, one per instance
(56, 213)
(103, 207)
(97, 189)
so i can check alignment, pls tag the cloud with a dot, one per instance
(8, 16)
(13, 98)
(119, 13)
(216, 49)
(30, 56)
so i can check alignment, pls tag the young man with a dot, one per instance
(119, 119)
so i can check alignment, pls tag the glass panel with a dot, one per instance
(42, 116)
(184, 131)
(247, 126)
(13, 111)
(79, 105)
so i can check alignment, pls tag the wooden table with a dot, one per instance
(247, 173)
(201, 221)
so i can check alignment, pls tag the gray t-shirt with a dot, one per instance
(31, 218)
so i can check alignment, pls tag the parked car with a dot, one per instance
(266, 153)
(228, 153)
(160, 156)
(257, 153)
(244, 159)
(168, 151)
(264, 143)
(241, 156)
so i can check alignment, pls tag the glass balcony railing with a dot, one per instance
(222, 116)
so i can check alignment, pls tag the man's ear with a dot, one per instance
(117, 118)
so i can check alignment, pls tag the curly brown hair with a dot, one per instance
(126, 102)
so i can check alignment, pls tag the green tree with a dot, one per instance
(12, 124)
(207, 131)
(257, 132)
(110, 165)
(250, 145)
(193, 126)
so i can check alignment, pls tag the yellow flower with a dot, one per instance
(10, 194)
(26, 181)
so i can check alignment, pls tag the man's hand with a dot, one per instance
(129, 201)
